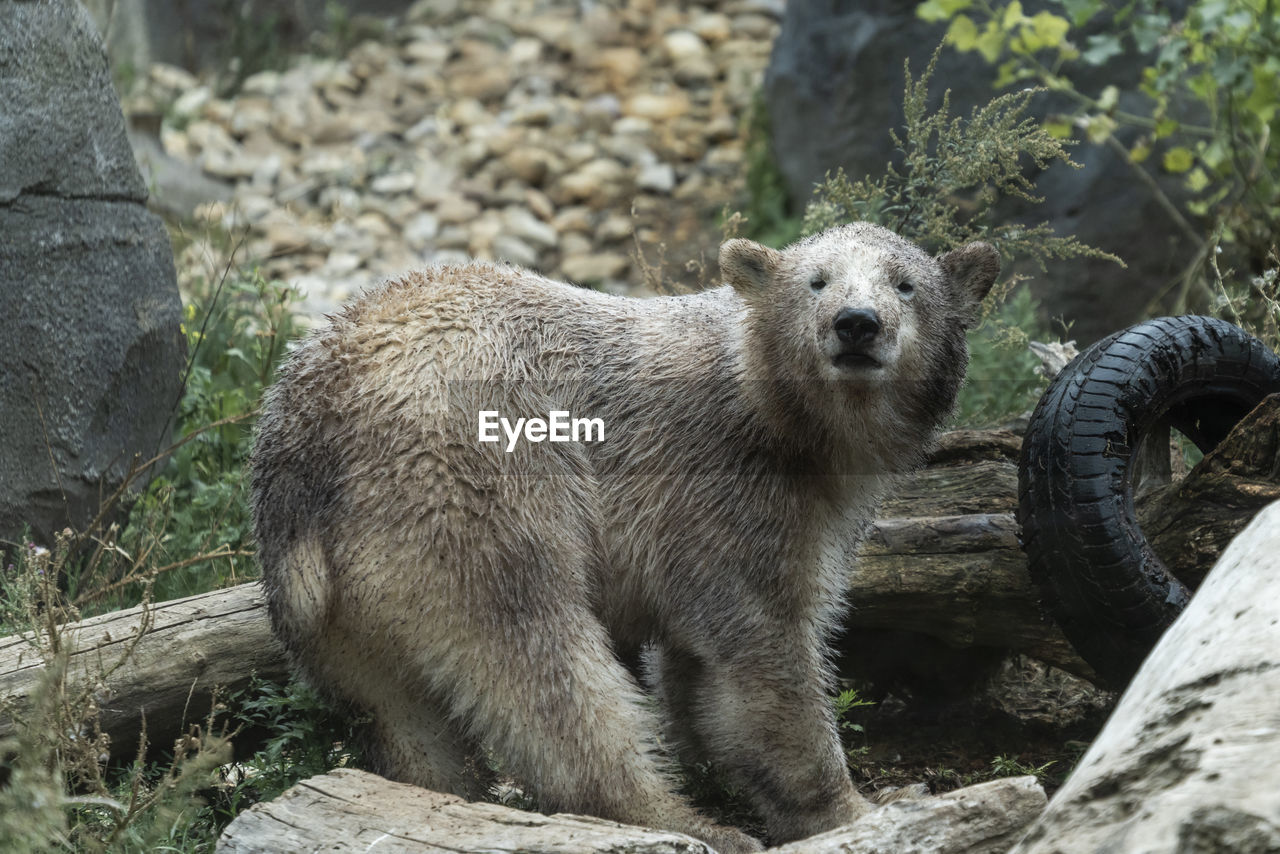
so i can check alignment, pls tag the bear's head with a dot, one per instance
(860, 312)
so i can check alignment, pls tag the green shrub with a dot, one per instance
(1204, 107)
(236, 334)
(1002, 382)
(305, 737)
(766, 213)
(57, 792)
(941, 195)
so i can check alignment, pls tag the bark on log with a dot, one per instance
(943, 560)
(982, 819)
(193, 646)
(1190, 759)
(1190, 523)
(348, 810)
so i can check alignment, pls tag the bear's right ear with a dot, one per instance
(748, 266)
(972, 270)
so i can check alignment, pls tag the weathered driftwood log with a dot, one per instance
(982, 819)
(1190, 759)
(943, 560)
(348, 810)
(191, 647)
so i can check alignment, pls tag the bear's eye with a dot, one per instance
(906, 289)
(818, 283)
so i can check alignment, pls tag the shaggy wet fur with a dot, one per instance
(463, 596)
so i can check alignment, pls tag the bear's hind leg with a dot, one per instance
(411, 740)
(675, 676)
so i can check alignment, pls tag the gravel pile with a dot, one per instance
(546, 133)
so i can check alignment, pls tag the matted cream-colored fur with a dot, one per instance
(464, 596)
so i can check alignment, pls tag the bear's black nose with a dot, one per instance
(856, 326)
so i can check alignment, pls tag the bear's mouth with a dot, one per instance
(855, 360)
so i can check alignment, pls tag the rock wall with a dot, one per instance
(834, 90)
(91, 355)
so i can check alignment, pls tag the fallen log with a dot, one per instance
(188, 648)
(349, 810)
(944, 561)
(981, 819)
(1190, 759)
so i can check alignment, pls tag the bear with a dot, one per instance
(476, 597)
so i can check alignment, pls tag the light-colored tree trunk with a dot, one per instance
(190, 647)
(981, 819)
(1190, 759)
(348, 810)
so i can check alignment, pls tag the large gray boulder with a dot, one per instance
(834, 90)
(92, 353)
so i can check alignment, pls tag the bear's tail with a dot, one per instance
(298, 592)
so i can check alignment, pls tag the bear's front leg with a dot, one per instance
(765, 717)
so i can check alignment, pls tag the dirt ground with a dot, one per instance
(1025, 718)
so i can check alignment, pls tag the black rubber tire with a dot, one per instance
(1095, 571)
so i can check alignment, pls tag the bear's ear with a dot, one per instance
(972, 270)
(748, 266)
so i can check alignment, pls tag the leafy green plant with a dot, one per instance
(253, 43)
(953, 169)
(941, 195)
(305, 737)
(1002, 382)
(845, 702)
(56, 790)
(1010, 766)
(765, 214)
(1204, 106)
(843, 705)
(236, 332)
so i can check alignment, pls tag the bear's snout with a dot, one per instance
(856, 327)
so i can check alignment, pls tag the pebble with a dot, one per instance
(543, 133)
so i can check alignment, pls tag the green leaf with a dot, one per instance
(1262, 101)
(1178, 159)
(1080, 11)
(1165, 127)
(1141, 150)
(941, 10)
(963, 33)
(1013, 15)
(1099, 128)
(1058, 127)
(1109, 98)
(1049, 29)
(1011, 72)
(1149, 29)
(1197, 180)
(991, 43)
(1101, 47)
